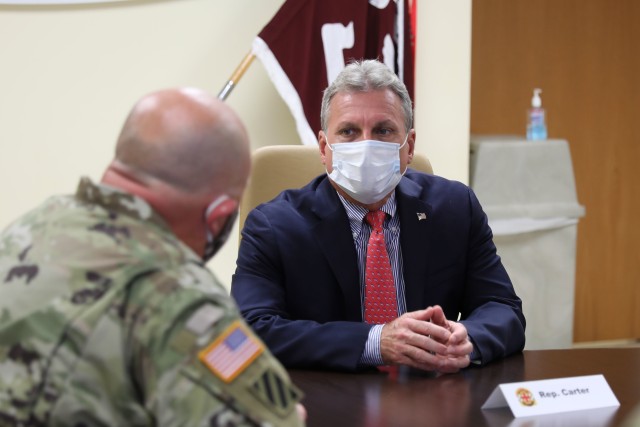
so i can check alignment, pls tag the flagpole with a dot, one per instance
(235, 77)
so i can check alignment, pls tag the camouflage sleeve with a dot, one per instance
(197, 363)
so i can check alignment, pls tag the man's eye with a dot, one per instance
(346, 132)
(384, 132)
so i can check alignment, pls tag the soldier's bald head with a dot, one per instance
(187, 139)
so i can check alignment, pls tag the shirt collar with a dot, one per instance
(356, 213)
(118, 201)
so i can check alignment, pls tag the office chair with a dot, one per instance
(279, 167)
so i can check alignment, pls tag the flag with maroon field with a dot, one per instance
(308, 42)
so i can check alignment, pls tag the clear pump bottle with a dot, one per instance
(536, 122)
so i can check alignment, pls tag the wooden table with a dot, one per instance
(411, 399)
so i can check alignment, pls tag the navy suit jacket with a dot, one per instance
(297, 281)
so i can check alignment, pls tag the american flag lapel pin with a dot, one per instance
(421, 216)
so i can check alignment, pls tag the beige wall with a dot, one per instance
(443, 85)
(68, 76)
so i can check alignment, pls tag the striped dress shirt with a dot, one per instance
(361, 231)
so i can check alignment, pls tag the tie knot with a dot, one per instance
(375, 219)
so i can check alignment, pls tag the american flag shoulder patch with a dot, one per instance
(232, 352)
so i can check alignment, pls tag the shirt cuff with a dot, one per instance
(371, 356)
(475, 356)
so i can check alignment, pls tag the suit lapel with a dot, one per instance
(333, 234)
(415, 241)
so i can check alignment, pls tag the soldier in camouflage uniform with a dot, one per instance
(108, 316)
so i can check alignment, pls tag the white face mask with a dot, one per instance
(366, 170)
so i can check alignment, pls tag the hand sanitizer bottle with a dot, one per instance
(536, 124)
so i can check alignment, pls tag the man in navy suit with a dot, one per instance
(441, 299)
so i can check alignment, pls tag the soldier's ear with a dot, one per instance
(218, 211)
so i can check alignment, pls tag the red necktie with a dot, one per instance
(380, 305)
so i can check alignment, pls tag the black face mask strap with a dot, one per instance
(214, 243)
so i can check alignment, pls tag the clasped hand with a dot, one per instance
(426, 340)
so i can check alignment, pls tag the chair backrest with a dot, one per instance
(279, 167)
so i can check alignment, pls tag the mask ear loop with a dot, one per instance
(331, 149)
(328, 145)
(406, 138)
(222, 205)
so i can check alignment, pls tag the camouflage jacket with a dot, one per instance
(107, 319)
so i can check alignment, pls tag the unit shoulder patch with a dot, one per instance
(275, 393)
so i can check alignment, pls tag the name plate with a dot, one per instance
(544, 397)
